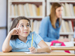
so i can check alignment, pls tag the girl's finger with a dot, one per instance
(32, 49)
(17, 30)
(29, 48)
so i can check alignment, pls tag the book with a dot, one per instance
(70, 26)
(41, 10)
(30, 10)
(66, 26)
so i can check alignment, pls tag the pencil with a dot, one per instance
(32, 34)
(32, 40)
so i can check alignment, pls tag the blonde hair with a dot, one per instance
(53, 14)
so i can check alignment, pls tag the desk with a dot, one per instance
(24, 54)
(63, 48)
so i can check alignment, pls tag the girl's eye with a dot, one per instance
(27, 25)
(58, 10)
(22, 26)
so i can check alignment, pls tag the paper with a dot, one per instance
(36, 53)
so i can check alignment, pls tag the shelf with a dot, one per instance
(69, 2)
(68, 18)
(62, 1)
(31, 2)
(66, 33)
(27, 16)
(30, 17)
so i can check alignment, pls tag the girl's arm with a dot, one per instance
(44, 47)
(6, 47)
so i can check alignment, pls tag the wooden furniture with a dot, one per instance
(24, 54)
(62, 48)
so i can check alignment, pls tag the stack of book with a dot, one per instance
(67, 26)
(25, 10)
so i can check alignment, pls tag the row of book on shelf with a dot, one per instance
(67, 10)
(25, 0)
(25, 10)
(66, 26)
(33, 10)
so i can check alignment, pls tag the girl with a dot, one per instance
(19, 38)
(50, 25)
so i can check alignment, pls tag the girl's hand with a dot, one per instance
(14, 31)
(33, 50)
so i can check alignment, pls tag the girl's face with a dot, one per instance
(59, 12)
(24, 29)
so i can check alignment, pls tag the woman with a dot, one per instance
(50, 25)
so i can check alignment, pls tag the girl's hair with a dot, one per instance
(53, 14)
(14, 24)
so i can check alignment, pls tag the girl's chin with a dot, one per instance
(59, 16)
(24, 35)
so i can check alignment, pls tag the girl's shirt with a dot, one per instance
(19, 46)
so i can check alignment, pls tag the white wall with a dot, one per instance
(2, 21)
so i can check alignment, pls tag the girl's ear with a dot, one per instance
(17, 25)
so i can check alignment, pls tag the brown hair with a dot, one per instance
(14, 24)
(53, 14)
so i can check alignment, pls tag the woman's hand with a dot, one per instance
(14, 31)
(33, 50)
(64, 40)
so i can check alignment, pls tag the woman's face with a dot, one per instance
(59, 12)
(24, 29)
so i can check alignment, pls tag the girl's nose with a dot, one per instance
(25, 27)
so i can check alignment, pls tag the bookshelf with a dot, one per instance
(19, 3)
(45, 4)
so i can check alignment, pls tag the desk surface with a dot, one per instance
(63, 48)
(24, 54)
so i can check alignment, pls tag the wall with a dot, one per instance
(2, 21)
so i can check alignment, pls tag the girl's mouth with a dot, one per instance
(25, 32)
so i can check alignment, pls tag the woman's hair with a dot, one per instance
(53, 14)
(14, 24)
